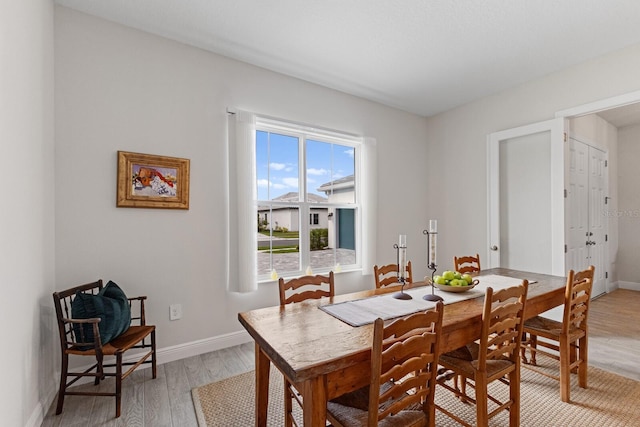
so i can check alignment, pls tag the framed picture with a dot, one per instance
(149, 181)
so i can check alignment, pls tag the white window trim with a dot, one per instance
(305, 133)
(241, 255)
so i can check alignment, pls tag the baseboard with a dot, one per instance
(628, 285)
(164, 355)
(37, 416)
(194, 348)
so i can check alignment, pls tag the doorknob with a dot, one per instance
(494, 248)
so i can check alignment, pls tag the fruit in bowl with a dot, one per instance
(454, 281)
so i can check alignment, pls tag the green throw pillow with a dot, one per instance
(110, 305)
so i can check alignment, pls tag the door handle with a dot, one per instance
(494, 248)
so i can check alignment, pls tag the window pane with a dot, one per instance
(333, 241)
(330, 171)
(276, 166)
(278, 243)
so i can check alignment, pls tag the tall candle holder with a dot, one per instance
(401, 260)
(431, 264)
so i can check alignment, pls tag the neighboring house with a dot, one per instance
(341, 221)
(287, 217)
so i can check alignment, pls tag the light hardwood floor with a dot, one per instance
(166, 401)
(614, 332)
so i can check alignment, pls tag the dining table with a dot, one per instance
(325, 357)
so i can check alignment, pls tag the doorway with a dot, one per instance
(624, 108)
(526, 198)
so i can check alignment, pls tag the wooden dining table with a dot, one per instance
(325, 357)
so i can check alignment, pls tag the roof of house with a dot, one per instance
(292, 196)
(341, 183)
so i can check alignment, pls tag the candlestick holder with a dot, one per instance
(432, 296)
(401, 273)
(431, 266)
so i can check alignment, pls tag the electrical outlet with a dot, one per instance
(175, 311)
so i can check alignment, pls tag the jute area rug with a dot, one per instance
(610, 400)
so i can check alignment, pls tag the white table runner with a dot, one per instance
(367, 310)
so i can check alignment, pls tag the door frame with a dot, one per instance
(600, 105)
(493, 224)
(556, 128)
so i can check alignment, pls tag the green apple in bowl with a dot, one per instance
(449, 275)
(467, 278)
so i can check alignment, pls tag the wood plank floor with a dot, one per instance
(614, 332)
(614, 343)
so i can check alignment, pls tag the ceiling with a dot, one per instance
(421, 56)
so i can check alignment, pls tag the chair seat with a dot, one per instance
(349, 416)
(465, 361)
(549, 328)
(122, 343)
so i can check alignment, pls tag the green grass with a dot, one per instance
(286, 235)
(279, 250)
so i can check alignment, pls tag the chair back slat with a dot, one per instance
(388, 274)
(467, 264)
(315, 287)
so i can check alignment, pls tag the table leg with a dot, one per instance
(314, 398)
(263, 365)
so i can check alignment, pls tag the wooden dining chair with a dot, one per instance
(568, 339)
(294, 291)
(493, 357)
(467, 264)
(404, 361)
(388, 275)
(95, 321)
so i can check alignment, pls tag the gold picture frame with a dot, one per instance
(151, 181)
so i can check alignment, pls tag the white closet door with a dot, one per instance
(586, 219)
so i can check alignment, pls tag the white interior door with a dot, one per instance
(586, 222)
(577, 206)
(597, 219)
(526, 198)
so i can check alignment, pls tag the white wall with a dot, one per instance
(628, 213)
(458, 137)
(26, 228)
(122, 89)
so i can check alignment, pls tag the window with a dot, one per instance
(305, 173)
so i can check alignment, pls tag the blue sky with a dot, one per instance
(277, 164)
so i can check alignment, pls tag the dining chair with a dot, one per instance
(495, 356)
(568, 338)
(467, 264)
(404, 361)
(95, 321)
(294, 291)
(388, 274)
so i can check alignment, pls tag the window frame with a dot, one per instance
(305, 133)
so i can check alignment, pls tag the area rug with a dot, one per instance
(610, 400)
